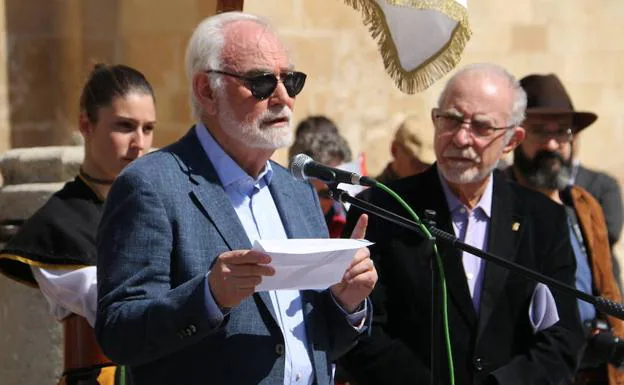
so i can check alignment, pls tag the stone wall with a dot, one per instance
(48, 48)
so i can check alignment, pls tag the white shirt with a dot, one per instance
(69, 291)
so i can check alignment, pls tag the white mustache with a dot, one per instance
(468, 153)
(283, 113)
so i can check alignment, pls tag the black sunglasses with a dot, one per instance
(263, 85)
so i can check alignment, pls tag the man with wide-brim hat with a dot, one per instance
(543, 161)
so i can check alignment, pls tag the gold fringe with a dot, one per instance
(438, 64)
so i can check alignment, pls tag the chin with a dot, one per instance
(463, 175)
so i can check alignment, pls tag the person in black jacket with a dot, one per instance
(497, 333)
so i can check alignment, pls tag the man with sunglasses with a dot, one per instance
(178, 278)
(543, 161)
(499, 331)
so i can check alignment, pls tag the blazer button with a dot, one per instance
(478, 364)
(279, 349)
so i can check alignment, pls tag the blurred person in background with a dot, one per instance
(55, 249)
(318, 138)
(607, 192)
(411, 149)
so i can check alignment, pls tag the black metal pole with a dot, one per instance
(602, 304)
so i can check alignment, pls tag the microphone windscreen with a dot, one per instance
(297, 166)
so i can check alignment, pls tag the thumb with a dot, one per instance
(359, 231)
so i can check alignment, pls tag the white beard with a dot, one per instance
(251, 133)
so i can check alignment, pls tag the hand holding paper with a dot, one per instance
(361, 276)
(236, 273)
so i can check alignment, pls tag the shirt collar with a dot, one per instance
(229, 172)
(485, 203)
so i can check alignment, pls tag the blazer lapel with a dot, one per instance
(209, 195)
(506, 228)
(456, 283)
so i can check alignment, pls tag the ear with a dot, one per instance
(518, 136)
(204, 93)
(84, 125)
(434, 111)
(394, 149)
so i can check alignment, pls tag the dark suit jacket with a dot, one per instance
(166, 219)
(607, 191)
(499, 341)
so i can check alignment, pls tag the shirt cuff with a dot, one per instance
(215, 313)
(357, 318)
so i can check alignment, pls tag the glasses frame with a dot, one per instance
(545, 137)
(250, 81)
(437, 114)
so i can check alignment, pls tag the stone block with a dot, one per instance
(31, 338)
(23, 200)
(529, 38)
(140, 17)
(138, 51)
(285, 15)
(41, 165)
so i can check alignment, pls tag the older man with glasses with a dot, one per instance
(497, 333)
(543, 161)
(178, 298)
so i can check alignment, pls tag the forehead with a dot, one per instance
(250, 46)
(134, 105)
(479, 94)
(548, 122)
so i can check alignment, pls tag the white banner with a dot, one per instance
(419, 40)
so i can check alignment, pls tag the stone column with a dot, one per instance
(30, 337)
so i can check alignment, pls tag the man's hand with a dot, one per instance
(360, 277)
(235, 275)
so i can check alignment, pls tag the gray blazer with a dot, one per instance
(166, 219)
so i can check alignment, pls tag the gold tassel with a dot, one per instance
(436, 66)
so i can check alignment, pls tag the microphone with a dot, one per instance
(303, 167)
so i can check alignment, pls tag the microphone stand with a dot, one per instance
(602, 304)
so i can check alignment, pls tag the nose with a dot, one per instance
(280, 95)
(551, 144)
(462, 137)
(139, 140)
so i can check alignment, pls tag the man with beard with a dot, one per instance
(496, 333)
(177, 298)
(543, 161)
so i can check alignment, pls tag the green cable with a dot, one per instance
(122, 375)
(425, 230)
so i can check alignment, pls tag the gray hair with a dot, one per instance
(518, 107)
(204, 49)
(323, 146)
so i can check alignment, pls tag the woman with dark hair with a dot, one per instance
(55, 249)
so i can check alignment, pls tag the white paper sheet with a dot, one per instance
(302, 264)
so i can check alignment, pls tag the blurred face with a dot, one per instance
(251, 50)
(123, 132)
(544, 158)
(470, 128)
(323, 191)
(405, 163)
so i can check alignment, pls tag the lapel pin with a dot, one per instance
(515, 226)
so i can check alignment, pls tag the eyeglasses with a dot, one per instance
(263, 85)
(537, 133)
(450, 123)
